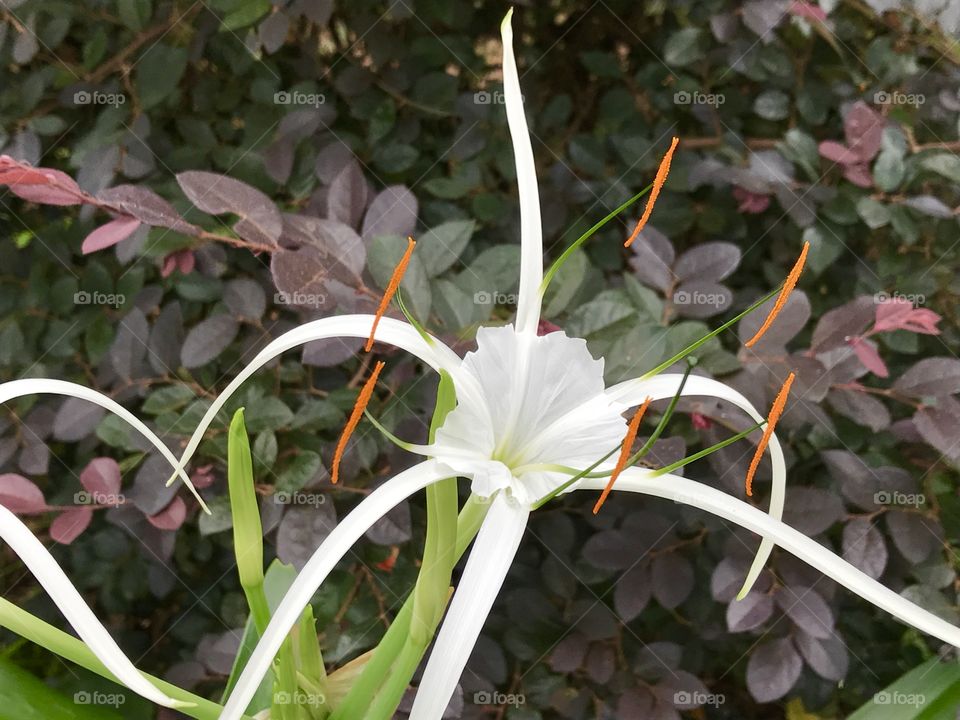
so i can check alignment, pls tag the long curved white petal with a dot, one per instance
(321, 563)
(435, 354)
(52, 578)
(490, 560)
(42, 386)
(633, 392)
(690, 492)
(531, 230)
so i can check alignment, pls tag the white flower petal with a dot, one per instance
(436, 355)
(52, 578)
(531, 231)
(490, 559)
(690, 492)
(321, 563)
(633, 392)
(42, 386)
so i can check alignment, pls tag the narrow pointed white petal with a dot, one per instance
(531, 231)
(435, 354)
(52, 578)
(42, 386)
(321, 563)
(490, 560)
(695, 494)
(633, 392)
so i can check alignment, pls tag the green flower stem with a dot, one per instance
(385, 703)
(391, 645)
(70, 648)
(706, 451)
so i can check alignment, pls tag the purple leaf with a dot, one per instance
(672, 578)
(653, 259)
(940, 426)
(750, 613)
(347, 196)
(301, 278)
(302, 530)
(837, 325)
(260, 221)
(70, 524)
(707, 262)
(171, 517)
(632, 592)
(148, 207)
(860, 407)
(864, 547)
(913, 535)
(21, 496)
(808, 610)
(392, 212)
(827, 657)
(790, 321)
(569, 653)
(812, 510)
(773, 669)
(101, 476)
(117, 230)
(866, 351)
(208, 339)
(931, 377)
(864, 130)
(76, 419)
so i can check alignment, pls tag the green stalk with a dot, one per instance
(555, 268)
(391, 645)
(706, 451)
(70, 648)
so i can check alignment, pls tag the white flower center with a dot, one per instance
(541, 404)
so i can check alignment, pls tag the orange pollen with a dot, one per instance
(658, 182)
(775, 412)
(624, 453)
(391, 290)
(788, 285)
(362, 400)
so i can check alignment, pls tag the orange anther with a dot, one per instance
(658, 182)
(391, 290)
(624, 453)
(775, 412)
(784, 295)
(362, 400)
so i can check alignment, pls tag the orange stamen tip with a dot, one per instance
(776, 410)
(788, 285)
(391, 290)
(658, 182)
(363, 399)
(625, 448)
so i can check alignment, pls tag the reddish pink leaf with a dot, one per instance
(203, 477)
(545, 327)
(838, 152)
(186, 261)
(867, 354)
(859, 175)
(70, 524)
(891, 314)
(171, 517)
(41, 185)
(750, 202)
(864, 130)
(120, 228)
(808, 11)
(21, 496)
(101, 477)
(923, 321)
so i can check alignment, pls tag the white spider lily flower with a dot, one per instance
(50, 575)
